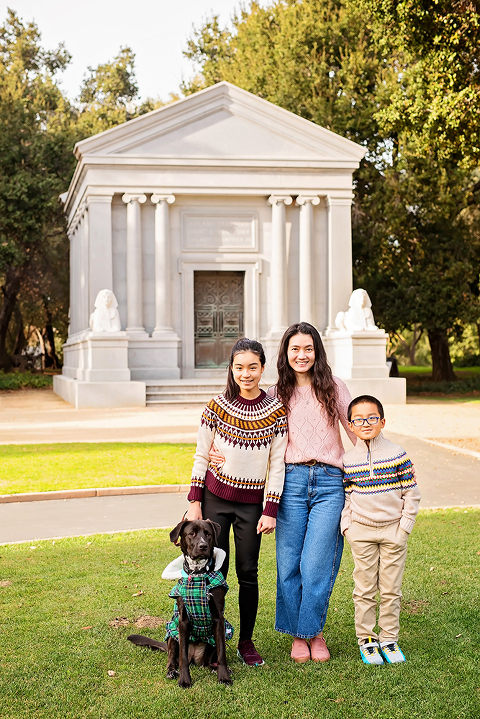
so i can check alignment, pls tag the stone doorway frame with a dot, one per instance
(187, 268)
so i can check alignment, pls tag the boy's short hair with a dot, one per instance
(361, 400)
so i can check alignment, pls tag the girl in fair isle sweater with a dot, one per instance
(309, 542)
(249, 429)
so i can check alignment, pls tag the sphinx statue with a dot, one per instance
(359, 316)
(105, 317)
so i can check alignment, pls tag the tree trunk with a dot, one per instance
(10, 289)
(413, 345)
(20, 339)
(51, 359)
(442, 369)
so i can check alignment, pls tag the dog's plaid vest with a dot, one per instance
(194, 589)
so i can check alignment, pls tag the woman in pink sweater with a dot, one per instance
(309, 541)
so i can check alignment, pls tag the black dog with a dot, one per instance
(197, 540)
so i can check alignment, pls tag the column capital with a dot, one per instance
(129, 198)
(345, 201)
(170, 199)
(107, 198)
(275, 199)
(303, 199)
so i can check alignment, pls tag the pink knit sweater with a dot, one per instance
(310, 435)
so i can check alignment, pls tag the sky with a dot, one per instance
(94, 30)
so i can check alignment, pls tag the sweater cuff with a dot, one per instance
(271, 509)
(407, 524)
(195, 494)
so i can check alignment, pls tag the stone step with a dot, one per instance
(183, 391)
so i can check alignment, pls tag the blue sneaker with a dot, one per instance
(370, 652)
(392, 652)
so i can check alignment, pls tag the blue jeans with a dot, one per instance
(309, 547)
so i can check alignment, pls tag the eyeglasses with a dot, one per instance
(369, 420)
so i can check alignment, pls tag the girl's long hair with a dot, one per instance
(242, 345)
(323, 383)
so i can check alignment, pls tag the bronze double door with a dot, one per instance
(219, 307)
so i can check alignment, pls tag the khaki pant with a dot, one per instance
(379, 554)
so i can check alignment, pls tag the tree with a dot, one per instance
(431, 225)
(38, 130)
(107, 95)
(417, 251)
(437, 99)
(362, 69)
(34, 130)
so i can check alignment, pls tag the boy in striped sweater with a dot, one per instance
(381, 503)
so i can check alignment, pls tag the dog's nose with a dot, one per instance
(202, 544)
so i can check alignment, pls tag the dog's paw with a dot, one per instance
(185, 683)
(172, 674)
(225, 676)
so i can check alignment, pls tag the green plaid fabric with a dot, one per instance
(193, 589)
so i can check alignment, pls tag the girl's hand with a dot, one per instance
(215, 457)
(194, 512)
(266, 525)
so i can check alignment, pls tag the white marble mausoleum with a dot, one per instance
(218, 216)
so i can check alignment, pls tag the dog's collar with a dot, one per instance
(198, 567)
(174, 569)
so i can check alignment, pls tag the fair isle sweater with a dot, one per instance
(380, 485)
(252, 436)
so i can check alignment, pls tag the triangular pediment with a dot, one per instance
(222, 122)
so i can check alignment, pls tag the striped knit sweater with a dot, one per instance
(252, 436)
(380, 485)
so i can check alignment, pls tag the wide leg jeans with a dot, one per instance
(309, 547)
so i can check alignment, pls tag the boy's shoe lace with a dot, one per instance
(370, 652)
(392, 652)
(248, 654)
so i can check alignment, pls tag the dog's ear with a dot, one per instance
(176, 532)
(216, 528)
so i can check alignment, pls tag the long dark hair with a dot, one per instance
(323, 383)
(242, 345)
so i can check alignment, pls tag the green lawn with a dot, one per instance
(58, 600)
(47, 467)
(419, 382)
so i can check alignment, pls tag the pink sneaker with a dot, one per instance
(318, 650)
(300, 651)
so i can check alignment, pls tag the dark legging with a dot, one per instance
(244, 519)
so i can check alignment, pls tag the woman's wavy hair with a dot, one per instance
(242, 345)
(323, 383)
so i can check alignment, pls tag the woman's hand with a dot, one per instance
(266, 525)
(194, 512)
(215, 457)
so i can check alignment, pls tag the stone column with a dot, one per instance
(306, 259)
(163, 319)
(134, 263)
(100, 256)
(278, 265)
(340, 281)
